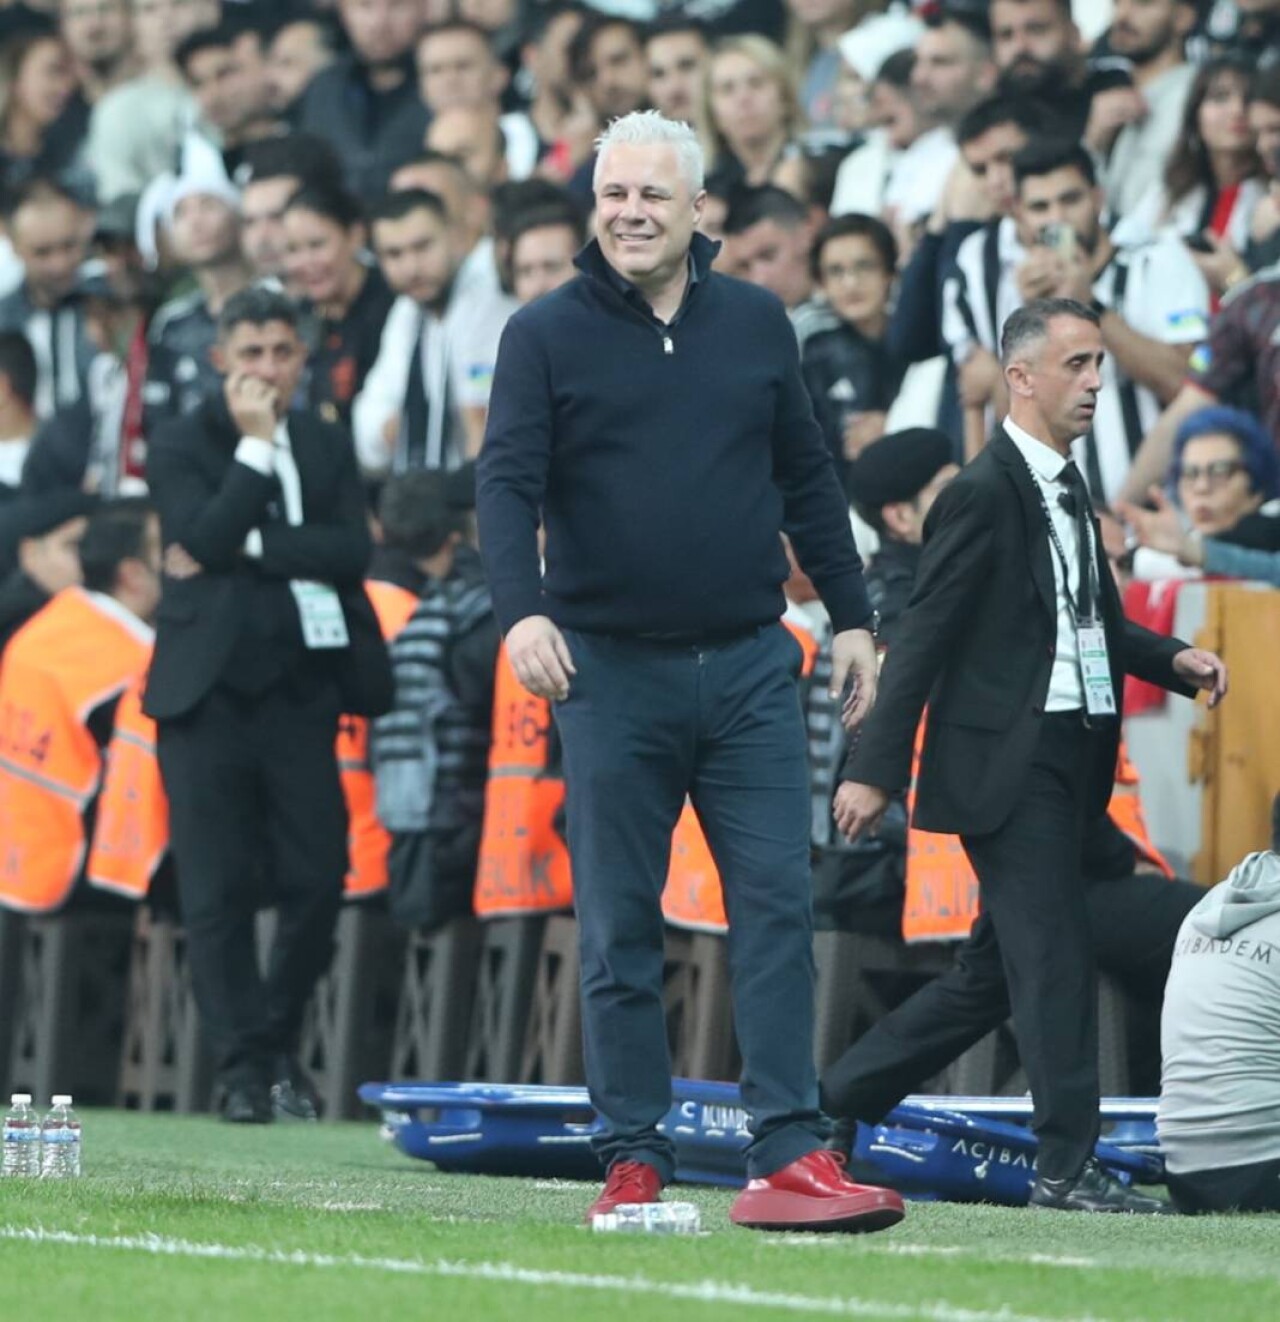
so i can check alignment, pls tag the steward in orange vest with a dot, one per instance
(63, 674)
(367, 839)
(524, 862)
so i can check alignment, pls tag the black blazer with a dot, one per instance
(977, 643)
(208, 503)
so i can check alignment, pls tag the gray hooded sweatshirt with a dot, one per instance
(1220, 1031)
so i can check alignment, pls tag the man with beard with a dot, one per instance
(1038, 53)
(366, 103)
(99, 36)
(1134, 127)
(1151, 299)
(426, 398)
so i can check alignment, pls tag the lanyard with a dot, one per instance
(1093, 586)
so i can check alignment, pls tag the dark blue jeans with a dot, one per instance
(645, 724)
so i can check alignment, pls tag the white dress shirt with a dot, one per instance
(1066, 688)
(273, 458)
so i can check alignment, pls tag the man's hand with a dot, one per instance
(860, 430)
(180, 563)
(977, 377)
(1161, 529)
(540, 657)
(253, 405)
(1109, 112)
(1202, 670)
(1040, 275)
(857, 809)
(853, 656)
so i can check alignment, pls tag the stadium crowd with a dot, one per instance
(219, 217)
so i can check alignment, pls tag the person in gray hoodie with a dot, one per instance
(1219, 1115)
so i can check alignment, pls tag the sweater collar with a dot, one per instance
(591, 261)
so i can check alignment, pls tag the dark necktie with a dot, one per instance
(1075, 500)
(416, 410)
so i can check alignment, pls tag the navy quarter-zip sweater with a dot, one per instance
(664, 461)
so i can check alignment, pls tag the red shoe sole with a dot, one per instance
(860, 1213)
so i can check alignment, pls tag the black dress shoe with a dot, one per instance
(293, 1095)
(246, 1104)
(1094, 1190)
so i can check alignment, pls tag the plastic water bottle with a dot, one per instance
(60, 1141)
(21, 1138)
(650, 1219)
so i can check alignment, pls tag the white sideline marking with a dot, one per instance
(945, 1251)
(708, 1292)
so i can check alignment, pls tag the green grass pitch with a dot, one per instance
(185, 1218)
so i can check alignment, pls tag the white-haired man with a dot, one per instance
(652, 414)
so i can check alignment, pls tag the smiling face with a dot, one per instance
(319, 254)
(645, 212)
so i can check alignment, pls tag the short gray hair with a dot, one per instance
(1030, 324)
(650, 128)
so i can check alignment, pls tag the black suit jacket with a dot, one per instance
(977, 643)
(208, 504)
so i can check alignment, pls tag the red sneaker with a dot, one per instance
(627, 1182)
(814, 1193)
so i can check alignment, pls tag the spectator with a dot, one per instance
(226, 73)
(42, 122)
(953, 69)
(101, 41)
(816, 27)
(475, 138)
(272, 171)
(1263, 247)
(430, 752)
(17, 410)
(265, 638)
(1135, 128)
(49, 228)
(38, 540)
(425, 400)
(1255, 39)
(676, 49)
(513, 202)
(893, 484)
(366, 104)
(1238, 363)
(768, 235)
(545, 71)
(458, 70)
(849, 372)
(468, 208)
(325, 239)
(204, 224)
(750, 117)
(299, 49)
(1225, 471)
(1213, 179)
(1038, 53)
(901, 169)
(137, 128)
(606, 59)
(1218, 1118)
(1154, 305)
(544, 243)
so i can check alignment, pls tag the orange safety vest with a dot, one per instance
(62, 665)
(693, 898)
(941, 899)
(367, 839)
(524, 862)
(131, 833)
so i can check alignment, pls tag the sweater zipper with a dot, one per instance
(668, 345)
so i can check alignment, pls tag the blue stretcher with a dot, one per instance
(957, 1149)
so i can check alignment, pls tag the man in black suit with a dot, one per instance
(1016, 638)
(263, 636)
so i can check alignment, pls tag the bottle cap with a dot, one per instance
(20, 1099)
(62, 1099)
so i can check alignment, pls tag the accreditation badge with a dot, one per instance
(1095, 670)
(320, 610)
